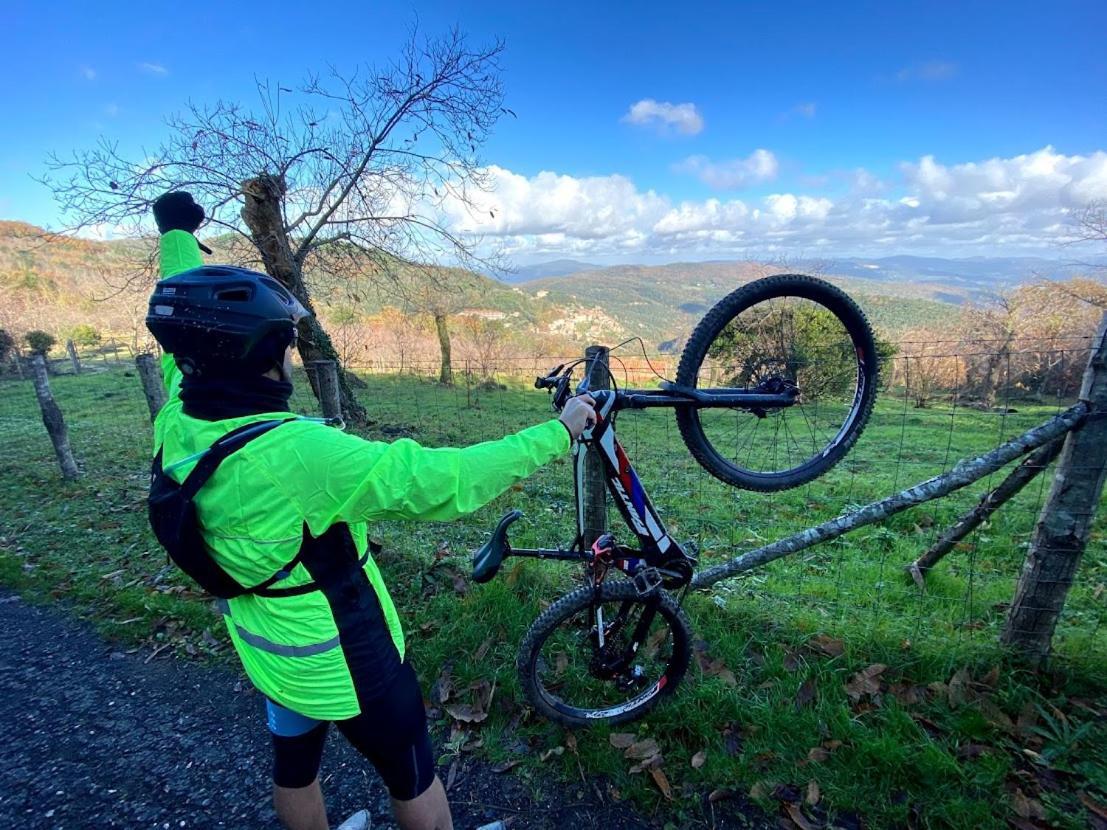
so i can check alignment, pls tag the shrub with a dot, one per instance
(39, 342)
(7, 345)
(84, 334)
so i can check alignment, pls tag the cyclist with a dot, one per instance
(317, 633)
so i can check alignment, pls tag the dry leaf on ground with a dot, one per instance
(662, 782)
(807, 693)
(865, 682)
(642, 750)
(813, 793)
(620, 740)
(795, 813)
(466, 713)
(827, 645)
(699, 759)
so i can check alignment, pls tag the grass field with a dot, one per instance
(827, 686)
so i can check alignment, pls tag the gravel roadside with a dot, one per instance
(101, 738)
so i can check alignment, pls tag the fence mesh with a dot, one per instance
(929, 415)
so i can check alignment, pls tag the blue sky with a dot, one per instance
(760, 128)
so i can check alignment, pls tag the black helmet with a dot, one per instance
(218, 319)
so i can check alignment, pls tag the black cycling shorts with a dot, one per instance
(391, 733)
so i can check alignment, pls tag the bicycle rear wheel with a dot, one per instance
(568, 676)
(784, 334)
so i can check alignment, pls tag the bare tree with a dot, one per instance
(353, 173)
(438, 293)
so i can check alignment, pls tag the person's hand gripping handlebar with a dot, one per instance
(578, 414)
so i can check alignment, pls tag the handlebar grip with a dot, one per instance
(487, 560)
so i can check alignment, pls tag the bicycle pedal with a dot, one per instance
(647, 580)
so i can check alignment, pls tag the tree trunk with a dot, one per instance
(153, 385)
(446, 373)
(1065, 521)
(988, 504)
(71, 350)
(263, 216)
(324, 377)
(52, 418)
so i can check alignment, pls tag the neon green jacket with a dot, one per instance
(254, 508)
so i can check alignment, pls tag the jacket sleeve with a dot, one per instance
(178, 251)
(337, 477)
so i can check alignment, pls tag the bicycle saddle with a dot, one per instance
(487, 560)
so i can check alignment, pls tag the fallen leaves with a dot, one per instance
(699, 759)
(827, 645)
(865, 682)
(713, 667)
(662, 782)
(648, 755)
(620, 740)
(641, 750)
(806, 694)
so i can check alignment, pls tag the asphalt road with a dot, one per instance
(99, 738)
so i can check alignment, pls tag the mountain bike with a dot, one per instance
(773, 387)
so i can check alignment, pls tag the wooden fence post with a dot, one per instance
(71, 350)
(324, 374)
(1066, 518)
(595, 482)
(152, 383)
(989, 503)
(52, 418)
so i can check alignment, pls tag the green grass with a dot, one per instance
(921, 750)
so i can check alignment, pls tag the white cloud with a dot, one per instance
(111, 110)
(684, 118)
(153, 69)
(88, 73)
(759, 166)
(928, 71)
(1021, 204)
(804, 110)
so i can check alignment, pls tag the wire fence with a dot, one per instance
(854, 581)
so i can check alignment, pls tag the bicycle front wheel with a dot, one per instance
(604, 655)
(788, 334)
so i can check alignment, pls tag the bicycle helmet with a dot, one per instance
(218, 319)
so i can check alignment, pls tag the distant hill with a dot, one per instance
(555, 268)
(56, 282)
(664, 302)
(977, 275)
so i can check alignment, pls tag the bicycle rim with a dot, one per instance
(577, 681)
(793, 335)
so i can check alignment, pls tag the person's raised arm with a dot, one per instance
(178, 218)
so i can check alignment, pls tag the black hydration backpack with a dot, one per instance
(173, 515)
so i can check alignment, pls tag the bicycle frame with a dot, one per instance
(626, 489)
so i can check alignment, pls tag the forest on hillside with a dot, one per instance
(93, 292)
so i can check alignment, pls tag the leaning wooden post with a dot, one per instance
(989, 503)
(595, 482)
(71, 350)
(325, 375)
(1066, 518)
(964, 473)
(52, 417)
(152, 383)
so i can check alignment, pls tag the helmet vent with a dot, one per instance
(234, 295)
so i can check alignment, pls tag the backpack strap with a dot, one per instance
(229, 444)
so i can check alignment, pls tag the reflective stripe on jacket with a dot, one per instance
(307, 478)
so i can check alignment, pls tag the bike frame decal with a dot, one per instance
(622, 481)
